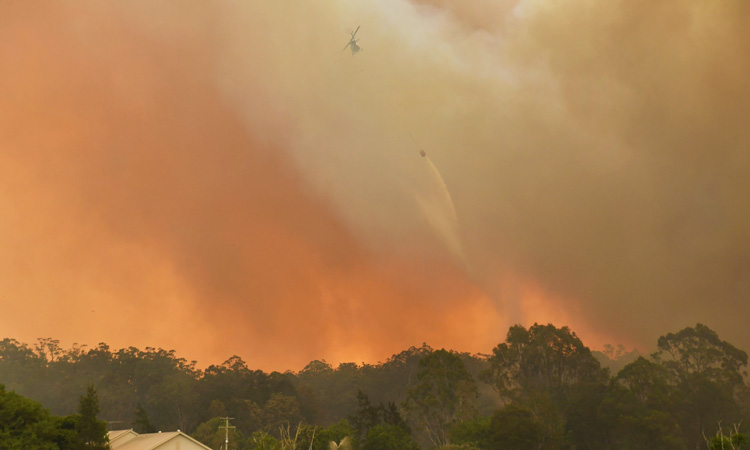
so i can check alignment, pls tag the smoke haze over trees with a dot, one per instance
(541, 387)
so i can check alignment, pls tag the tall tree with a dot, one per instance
(541, 359)
(142, 424)
(638, 409)
(92, 432)
(699, 350)
(708, 379)
(443, 394)
(548, 371)
(365, 418)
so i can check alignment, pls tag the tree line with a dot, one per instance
(539, 389)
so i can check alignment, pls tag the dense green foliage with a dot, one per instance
(25, 424)
(539, 389)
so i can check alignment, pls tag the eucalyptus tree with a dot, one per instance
(639, 409)
(444, 393)
(549, 372)
(708, 378)
(541, 359)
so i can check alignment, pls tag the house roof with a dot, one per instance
(150, 441)
(117, 434)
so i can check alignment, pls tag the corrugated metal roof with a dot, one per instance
(150, 441)
(116, 434)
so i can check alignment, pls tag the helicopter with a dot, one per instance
(353, 42)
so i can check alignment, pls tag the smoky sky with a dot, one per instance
(222, 178)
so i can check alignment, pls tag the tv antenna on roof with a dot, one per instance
(226, 428)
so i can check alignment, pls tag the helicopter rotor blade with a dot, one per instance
(355, 31)
(347, 46)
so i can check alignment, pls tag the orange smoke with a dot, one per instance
(221, 178)
(140, 211)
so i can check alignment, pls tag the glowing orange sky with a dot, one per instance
(222, 179)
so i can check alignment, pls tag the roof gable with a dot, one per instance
(153, 441)
(119, 437)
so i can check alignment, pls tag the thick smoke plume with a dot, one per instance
(221, 178)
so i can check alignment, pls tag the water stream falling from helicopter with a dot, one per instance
(439, 210)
